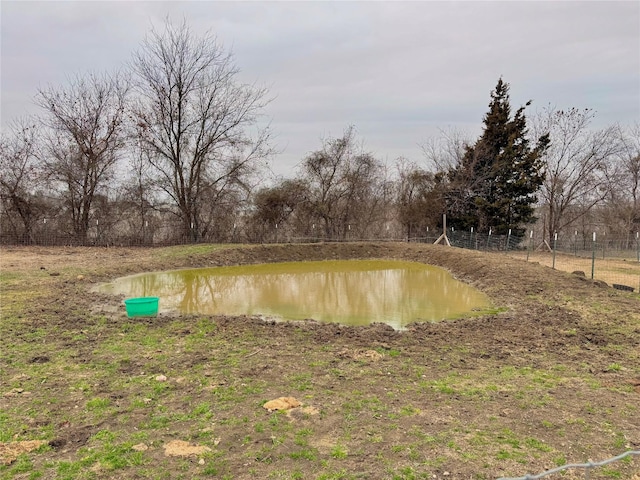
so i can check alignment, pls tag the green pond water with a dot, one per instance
(351, 292)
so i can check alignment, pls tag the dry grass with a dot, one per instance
(610, 270)
(552, 377)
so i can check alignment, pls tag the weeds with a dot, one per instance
(465, 400)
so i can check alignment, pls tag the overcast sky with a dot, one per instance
(397, 71)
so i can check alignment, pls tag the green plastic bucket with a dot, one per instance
(142, 306)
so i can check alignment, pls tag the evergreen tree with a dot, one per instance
(495, 184)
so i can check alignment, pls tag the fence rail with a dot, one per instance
(587, 466)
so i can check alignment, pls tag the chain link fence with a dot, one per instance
(614, 260)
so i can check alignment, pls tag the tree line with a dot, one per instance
(169, 149)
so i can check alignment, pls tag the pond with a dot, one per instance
(351, 292)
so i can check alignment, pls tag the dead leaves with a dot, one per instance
(180, 448)
(359, 354)
(16, 392)
(10, 451)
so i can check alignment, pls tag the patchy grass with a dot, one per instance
(550, 377)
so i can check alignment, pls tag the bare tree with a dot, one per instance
(281, 205)
(343, 183)
(444, 154)
(20, 176)
(623, 201)
(138, 196)
(86, 138)
(576, 165)
(193, 119)
(446, 151)
(419, 198)
(631, 170)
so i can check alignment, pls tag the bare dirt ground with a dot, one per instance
(552, 377)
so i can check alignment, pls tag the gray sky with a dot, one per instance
(395, 70)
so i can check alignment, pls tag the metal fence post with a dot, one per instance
(593, 255)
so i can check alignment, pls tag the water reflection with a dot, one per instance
(353, 292)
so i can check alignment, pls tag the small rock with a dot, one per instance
(161, 378)
(140, 447)
(201, 461)
(282, 403)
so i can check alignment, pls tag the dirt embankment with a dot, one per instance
(537, 302)
(553, 375)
